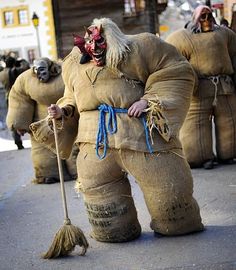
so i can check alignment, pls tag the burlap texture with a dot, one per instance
(167, 77)
(113, 217)
(225, 123)
(196, 48)
(164, 178)
(43, 132)
(28, 102)
(196, 132)
(207, 89)
(197, 142)
(71, 161)
(4, 79)
(107, 197)
(45, 163)
(29, 99)
(215, 96)
(166, 181)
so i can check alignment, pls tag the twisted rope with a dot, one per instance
(111, 128)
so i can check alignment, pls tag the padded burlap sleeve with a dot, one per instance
(182, 42)
(68, 97)
(169, 86)
(67, 127)
(21, 106)
(234, 66)
(67, 130)
(232, 52)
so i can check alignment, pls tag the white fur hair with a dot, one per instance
(118, 44)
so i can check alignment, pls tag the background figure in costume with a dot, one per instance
(31, 94)
(211, 50)
(8, 76)
(110, 80)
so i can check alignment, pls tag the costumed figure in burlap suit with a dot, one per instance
(33, 91)
(125, 99)
(211, 50)
(7, 77)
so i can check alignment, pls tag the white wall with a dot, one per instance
(24, 37)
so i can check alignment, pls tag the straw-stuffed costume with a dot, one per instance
(31, 94)
(211, 50)
(7, 77)
(108, 88)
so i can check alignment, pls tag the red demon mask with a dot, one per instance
(95, 45)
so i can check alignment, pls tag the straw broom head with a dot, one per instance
(65, 241)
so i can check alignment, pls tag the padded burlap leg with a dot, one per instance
(225, 125)
(196, 132)
(167, 185)
(71, 161)
(107, 196)
(45, 163)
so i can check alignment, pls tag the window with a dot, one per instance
(132, 8)
(15, 16)
(31, 55)
(8, 18)
(23, 16)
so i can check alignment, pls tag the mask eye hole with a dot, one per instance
(100, 41)
(203, 16)
(210, 16)
(206, 16)
(88, 41)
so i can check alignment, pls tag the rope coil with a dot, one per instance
(111, 128)
(215, 81)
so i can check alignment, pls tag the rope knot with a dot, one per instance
(215, 81)
(111, 128)
(67, 221)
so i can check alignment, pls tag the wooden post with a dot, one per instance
(208, 3)
(152, 16)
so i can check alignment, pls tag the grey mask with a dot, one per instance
(41, 69)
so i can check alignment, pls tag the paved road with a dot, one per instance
(30, 215)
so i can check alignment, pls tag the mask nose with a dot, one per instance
(93, 46)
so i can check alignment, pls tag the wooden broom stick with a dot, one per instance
(68, 236)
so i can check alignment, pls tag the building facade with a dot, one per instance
(20, 36)
(229, 7)
(60, 19)
(72, 16)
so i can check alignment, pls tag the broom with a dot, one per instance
(69, 235)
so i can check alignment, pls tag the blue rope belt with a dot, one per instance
(111, 127)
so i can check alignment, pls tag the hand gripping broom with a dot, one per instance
(68, 236)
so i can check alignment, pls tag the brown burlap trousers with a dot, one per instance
(196, 132)
(165, 180)
(45, 163)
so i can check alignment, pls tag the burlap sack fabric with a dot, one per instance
(167, 193)
(42, 131)
(168, 80)
(4, 79)
(28, 102)
(210, 54)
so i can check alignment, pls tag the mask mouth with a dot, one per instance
(98, 56)
(42, 76)
(42, 79)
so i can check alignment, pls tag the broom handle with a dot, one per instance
(63, 193)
